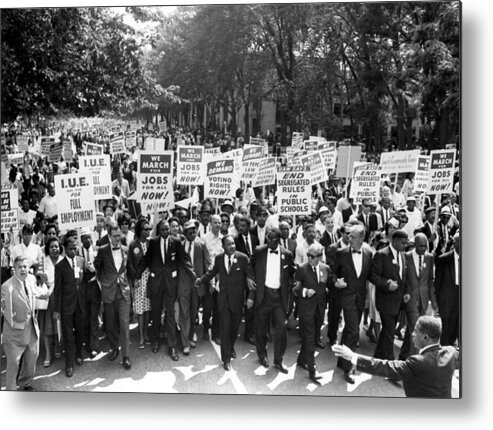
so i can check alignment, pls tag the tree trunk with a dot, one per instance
(246, 121)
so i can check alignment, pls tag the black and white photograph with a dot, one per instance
(256, 199)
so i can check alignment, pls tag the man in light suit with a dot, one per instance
(111, 273)
(312, 286)
(426, 374)
(164, 255)
(235, 277)
(274, 269)
(421, 288)
(447, 285)
(188, 294)
(388, 274)
(352, 268)
(20, 327)
(70, 299)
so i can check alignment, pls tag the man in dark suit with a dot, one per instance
(427, 228)
(70, 301)
(352, 268)
(188, 294)
(111, 273)
(369, 220)
(447, 286)
(311, 287)
(164, 255)
(388, 274)
(286, 241)
(260, 230)
(385, 211)
(20, 330)
(246, 243)
(329, 235)
(426, 374)
(445, 232)
(235, 277)
(274, 269)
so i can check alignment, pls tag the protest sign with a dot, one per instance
(366, 183)
(155, 178)
(130, 139)
(93, 148)
(162, 126)
(441, 171)
(56, 150)
(251, 162)
(190, 165)
(67, 152)
(219, 179)
(310, 145)
(293, 191)
(22, 143)
(117, 145)
(75, 201)
(329, 154)
(212, 151)
(421, 176)
(297, 140)
(346, 156)
(46, 143)
(315, 164)
(399, 161)
(9, 199)
(16, 159)
(153, 144)
(266, 174)
(99, 167)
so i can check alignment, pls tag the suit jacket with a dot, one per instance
(372, 224)
(241, 245)
(69, 293)
(167, 272)
(426, 230)
(202, 262)
(286, 271)
(446, 290)
(326, 240)
(355, 292)
(308, 278)
(254, 232)
(423, 375)
(232, 285)
(109, 277)
(135, 255)
(105, 240)
(18, 309)
(444, 245)
(291, 245)
(421, 287)
(390, 212)
(383, 269)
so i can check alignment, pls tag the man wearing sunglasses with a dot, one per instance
(311, 288)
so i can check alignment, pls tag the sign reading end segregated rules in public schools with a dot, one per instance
(294, 191)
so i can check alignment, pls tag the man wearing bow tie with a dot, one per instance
(352, 268)
(312, 286)
(20, 328)
(236, 278)
(70, 299)
(388, 274)
(111, 273)
(274, 269)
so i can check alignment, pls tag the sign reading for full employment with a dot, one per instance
(9, 205)
(421, 176)
(155, 179)
(366, 183)
(75, 201)
(399, 161)
(219, 179)
(190, 166)
(99, 167)
(293, 191)
(441, 172)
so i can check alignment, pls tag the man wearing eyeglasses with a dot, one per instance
(369, 219)
(352, 268)
(312, 286)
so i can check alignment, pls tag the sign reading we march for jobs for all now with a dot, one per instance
(441, 171)
(190, 166)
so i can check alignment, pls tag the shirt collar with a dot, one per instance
(394, 251)
(427, 347)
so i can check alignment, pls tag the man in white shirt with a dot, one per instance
(48, 206)
(27, 249)
(122, 182)
(26, 215)
(414, 217)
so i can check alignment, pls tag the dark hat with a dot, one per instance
(206, 207)
(262, 209)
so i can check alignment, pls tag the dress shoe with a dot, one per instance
(69, 371)
(193, 344)
(113, 354)
(348, 378)
(250, 340)
(186, 350)
(29, 388)
(371, 336)
(172, 354)
(126, 363)
(319, 345)
(302, 364)
(155, 347)
(233, 353)
(79, 361)
(280, 367)
(314, 376)
(227, 365)
(263, 362)
(217, 341)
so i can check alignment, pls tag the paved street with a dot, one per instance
(202, 372)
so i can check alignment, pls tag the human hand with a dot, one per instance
(393, 285)
(252, 286)
(249, 304)
(56, 315)
(310, 292)
(197, 282)
(342, 351)
(340, 283)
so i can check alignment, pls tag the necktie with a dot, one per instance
(190, 253)
(26, 290)
(229, 263)
(247, 244)
(420, 264)
(285, 243)
(316, 272)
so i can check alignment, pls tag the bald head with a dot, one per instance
(420, 243)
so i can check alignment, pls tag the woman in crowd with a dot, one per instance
(141, 303)
(47, 324)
